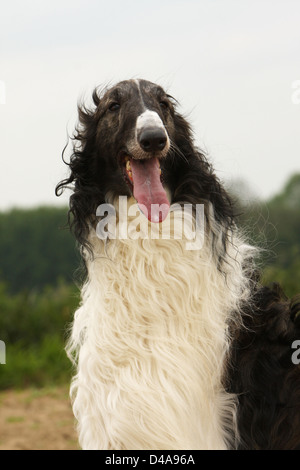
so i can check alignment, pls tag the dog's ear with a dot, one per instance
(85, 131)
(85, 196)
(196, 181)
(96, 97)
(183, 135)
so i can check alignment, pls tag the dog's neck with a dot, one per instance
(152, 308)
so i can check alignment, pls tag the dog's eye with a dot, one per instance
(164, 105)
(114, 106)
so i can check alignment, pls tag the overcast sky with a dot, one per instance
(232, 65)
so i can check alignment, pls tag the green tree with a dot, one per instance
(35, 248)
(274, 225)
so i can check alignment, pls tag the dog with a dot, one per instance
(165, 335)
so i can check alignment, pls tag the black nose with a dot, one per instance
(152, 139)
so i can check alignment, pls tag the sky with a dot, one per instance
(234, 67)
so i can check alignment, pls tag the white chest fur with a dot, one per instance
(151, 337)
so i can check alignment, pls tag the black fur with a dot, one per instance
(260, 368)
(264, 375)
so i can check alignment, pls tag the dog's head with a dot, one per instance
(135, 143)
(135, 128)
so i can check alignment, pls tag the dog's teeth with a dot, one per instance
(128, 167)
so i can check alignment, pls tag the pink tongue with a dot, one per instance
(148, 190)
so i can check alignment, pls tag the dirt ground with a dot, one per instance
(37, 420)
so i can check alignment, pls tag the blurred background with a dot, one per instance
(234, 68)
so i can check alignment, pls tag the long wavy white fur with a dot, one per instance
(150, 341)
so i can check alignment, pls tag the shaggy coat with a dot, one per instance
(159, 338)
(266, 372)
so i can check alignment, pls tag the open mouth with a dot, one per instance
(143, 177)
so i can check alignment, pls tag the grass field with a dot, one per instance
(37, 419)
